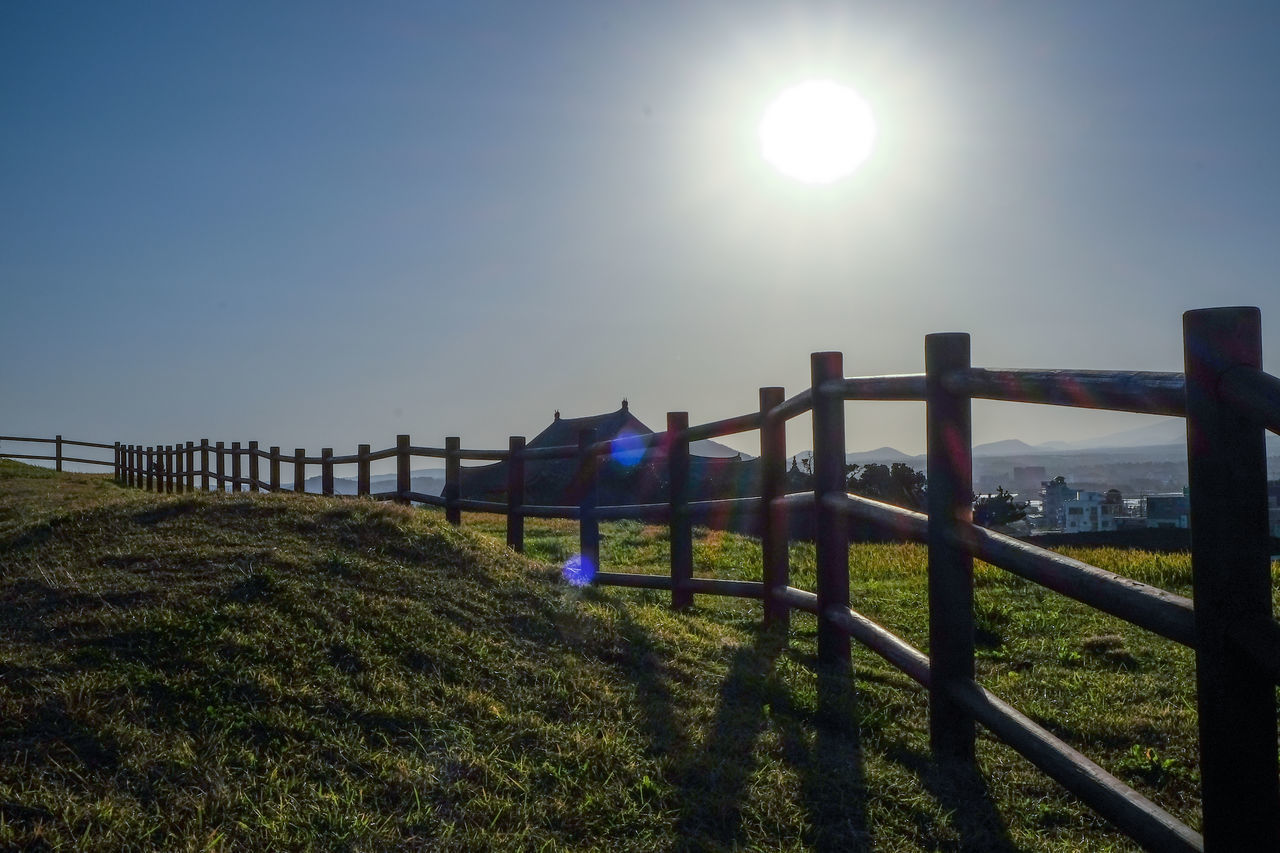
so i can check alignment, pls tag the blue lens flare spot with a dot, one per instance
(578, 570)
(628, 449)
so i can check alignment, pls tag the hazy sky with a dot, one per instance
(327, 223)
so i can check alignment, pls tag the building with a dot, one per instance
(1167, 510)
(633, 473)
(1088, 512)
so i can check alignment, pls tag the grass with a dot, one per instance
(225, 672)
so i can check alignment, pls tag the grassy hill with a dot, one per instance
(219, 671)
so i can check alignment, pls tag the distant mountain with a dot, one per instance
(1008, 447)
(881, 456)
(1164, 431)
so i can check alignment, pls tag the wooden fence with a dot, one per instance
(1228, 403)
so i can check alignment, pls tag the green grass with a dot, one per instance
(218, 671)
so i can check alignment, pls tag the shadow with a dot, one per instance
(30, 538)
(713, 785)
(50, 738)
(833, 784)
(641, 660)
(712, 781)
(962, 792)
(166, 512)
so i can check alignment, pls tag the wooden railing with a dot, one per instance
(1228, 403)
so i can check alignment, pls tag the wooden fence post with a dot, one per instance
(452, 480)
(219, 452)
(681, 522)
(831, 529)
(171, 465)
(117, 468)
(191, 466)
(515, 493)
(950, 506)
(128, 465)
(774, 534)
(299, 470)
(255, 470)
(178, 472)
(204, 464)
(274, 469)
(1231, 580)
(165, 483)
(403, 482)
(236, 481)
(588, 524)
(362, 470)
(57, 452)
(151, 469)
(326, 470)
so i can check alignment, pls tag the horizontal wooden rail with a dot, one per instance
(727, 426)
(1141, 819)
(54, 441)
(559, 452)
(433, 452)
(1164, 613)
(902, 655)
(657, 513)
(349, 459)
(472, 505)
(632, 580)
(491, 455)
(1254, 392)
(629, 443)
(728, 588)
(56, 458)
(542, 511)
(791, 407)
(377, 455)
(800, 599)
(422, 498)
(1148, 393)
(907, 386)
(707, 586)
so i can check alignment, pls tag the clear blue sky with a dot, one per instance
(326, 223)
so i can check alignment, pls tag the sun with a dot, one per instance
(817, 132)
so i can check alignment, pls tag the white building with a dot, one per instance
(1089, 511)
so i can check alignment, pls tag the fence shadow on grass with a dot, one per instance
(963, 793)
(713, 780)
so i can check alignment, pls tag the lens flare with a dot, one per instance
(628, 449)
(579, 570)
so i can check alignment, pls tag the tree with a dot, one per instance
(899, 484)
(998, 509)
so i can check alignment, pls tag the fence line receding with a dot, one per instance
(1228, 402)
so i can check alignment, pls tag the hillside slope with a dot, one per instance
(280, 672)
(230, 672)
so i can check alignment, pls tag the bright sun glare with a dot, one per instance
(817, 132)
